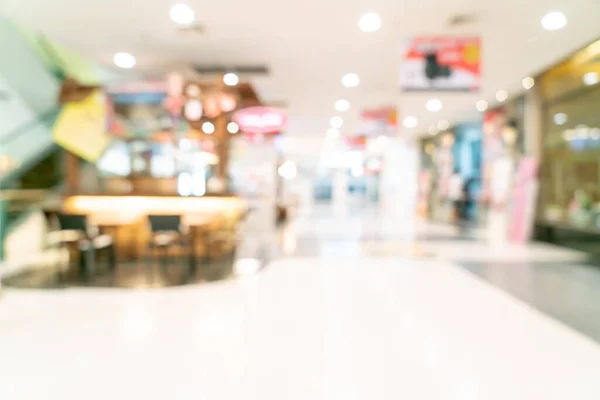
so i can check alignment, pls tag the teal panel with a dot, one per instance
(22, 69)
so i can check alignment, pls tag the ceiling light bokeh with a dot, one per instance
(233, 128)
(481, 105)
(287, 170)
(434, 105)
(560, 118)
(501, 95)
(182, 14)
(528, 82)
(369, 22)
(208, 128)
(554, 21)
(350, 80)
(124, 60)
(231, 79)
(591, 78)
(410, 122)
(342, 105)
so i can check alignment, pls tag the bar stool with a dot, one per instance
(74, 230)
(168, 232)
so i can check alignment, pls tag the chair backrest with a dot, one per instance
(72, 222)
(160, 223)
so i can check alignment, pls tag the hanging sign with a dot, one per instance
(379, 121)
(442, 64)
(260, 120)
(81, 127)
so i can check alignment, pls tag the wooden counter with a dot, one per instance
(125, 217)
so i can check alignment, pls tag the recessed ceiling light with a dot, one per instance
(350, 80)
(554, 21)
(591, 78)
(342, 105)
(433, 105)
(124, 60)
(560, 118)
(208, 128)
(410, 122)
(336, 122)
(369, 22)
(501, 95)
(481, 105)
(443, 125)
(528, 82)
(231, 79)
(182, 14)
(233, 128)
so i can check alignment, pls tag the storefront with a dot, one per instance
(569, 200)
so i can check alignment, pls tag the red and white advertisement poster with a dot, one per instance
(379, 121)
(438, 63)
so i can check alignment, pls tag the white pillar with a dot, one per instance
(533, 124)
(340, 192)
(398, 183)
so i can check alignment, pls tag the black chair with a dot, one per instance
(167, 232)
(73, 228)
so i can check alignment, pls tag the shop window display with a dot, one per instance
(570, 174)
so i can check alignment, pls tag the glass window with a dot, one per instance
(570, 175)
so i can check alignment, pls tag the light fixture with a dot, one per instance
(350, 80)
(560, 118)
(410, 122)
(336, 122)
(182, 14)
(433, 105)
(124, 60)
(591, 78)
(231, 79)
(287, 170)
(208, 128)
(554, 21)
(342, 105)
(501, 95)
(528, 82)
(443, 125)
(233, 128)
(369, 22)
(481, 105)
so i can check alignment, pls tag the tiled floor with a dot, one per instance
(354, 307)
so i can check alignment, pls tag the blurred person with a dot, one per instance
(455, 195)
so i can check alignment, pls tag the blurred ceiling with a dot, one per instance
(307, 46)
